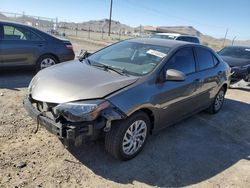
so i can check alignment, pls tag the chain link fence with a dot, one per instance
(97, 30)
(92, 30)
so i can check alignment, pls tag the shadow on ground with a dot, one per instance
(13, 79)
(185, 154)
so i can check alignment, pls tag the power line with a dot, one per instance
(139, 5)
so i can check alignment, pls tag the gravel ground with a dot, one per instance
(202, 151)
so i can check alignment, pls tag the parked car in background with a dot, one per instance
(22, 45)
(176, 36)
(127, 91)
(238, 58)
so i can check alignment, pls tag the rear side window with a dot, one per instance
(18, 33)
(182, 61)
(188, 39)
(204, 58)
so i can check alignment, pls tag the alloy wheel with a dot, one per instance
(134, 137)
(219, 100)
(47, 62)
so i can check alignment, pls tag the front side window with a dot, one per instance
(136, 58)
(182, 61)
(18, 33)
(204, 58)
(183, 39)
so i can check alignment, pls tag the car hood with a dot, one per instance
(234, 62)
(75, 80)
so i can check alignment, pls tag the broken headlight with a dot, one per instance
(81, 110)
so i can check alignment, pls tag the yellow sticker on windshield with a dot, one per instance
(156, 53)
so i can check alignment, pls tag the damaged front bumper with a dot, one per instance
(73, 130)
(239, 73)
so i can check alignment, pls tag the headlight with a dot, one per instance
(82, 110)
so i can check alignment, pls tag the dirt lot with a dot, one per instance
(202, 151)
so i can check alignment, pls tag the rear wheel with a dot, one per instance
(46, 61)
(218, 101)
(127, 138)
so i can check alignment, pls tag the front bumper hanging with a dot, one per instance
(67, 130)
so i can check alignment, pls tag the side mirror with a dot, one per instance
(174, 75)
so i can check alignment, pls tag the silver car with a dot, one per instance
(127, 91)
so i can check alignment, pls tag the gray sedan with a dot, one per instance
(22, 45)
(127, 91)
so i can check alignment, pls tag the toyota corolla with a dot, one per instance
(127, 91)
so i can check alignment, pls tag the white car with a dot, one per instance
(177, 36)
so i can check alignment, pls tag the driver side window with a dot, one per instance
(182, 61)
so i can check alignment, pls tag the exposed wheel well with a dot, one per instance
(150, 115)
(225, 86)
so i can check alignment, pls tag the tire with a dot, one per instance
(120, 143)
(217, 102)
(45, 61)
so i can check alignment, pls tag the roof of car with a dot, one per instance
(176, 34)
(173, 34)
(11, 22)
(162, 42)
(17, 24)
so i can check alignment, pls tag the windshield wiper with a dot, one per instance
(107, 67)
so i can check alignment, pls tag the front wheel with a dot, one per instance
(218, 101)
(127, 137)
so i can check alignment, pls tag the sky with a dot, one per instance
(211, 17)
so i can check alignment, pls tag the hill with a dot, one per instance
(99, 26)
(117, 27)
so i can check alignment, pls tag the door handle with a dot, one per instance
(198, 83)
(220, 73)
(40, 45)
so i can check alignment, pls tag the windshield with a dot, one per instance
(237, 52)
(134, 58)
(164, 37)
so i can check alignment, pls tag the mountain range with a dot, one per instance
(117, 27)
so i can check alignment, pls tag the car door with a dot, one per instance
(209, 75)
(20, 46)
(177, 99)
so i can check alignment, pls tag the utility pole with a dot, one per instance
(76, 28)
(110, 15)
(233, 40)
(140, 30)
(23, 17)
(225, 38)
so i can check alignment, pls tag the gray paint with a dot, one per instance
(169, 101)
(27, 52)
(73, 80)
